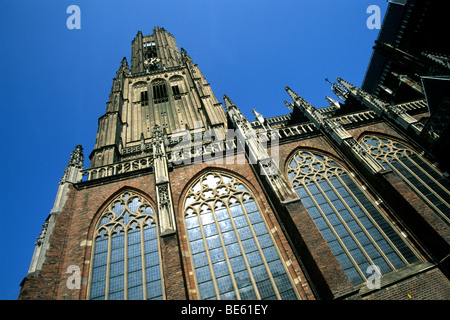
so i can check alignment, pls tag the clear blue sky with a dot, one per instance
(55, 82)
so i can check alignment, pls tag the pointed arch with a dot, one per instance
(231, 250)
(354, 227)
(211, 168)
(110, 199)
(422, 177)
(125, 256)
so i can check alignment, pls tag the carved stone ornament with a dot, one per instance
(42, 234)
(163, 195)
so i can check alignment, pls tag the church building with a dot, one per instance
(187, 199)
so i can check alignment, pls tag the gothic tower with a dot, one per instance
(187, 199)
(163, 88)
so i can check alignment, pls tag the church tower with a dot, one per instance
(163, 88)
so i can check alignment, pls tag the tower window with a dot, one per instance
(144, 98)
(149, 44)
(150, 49)
(160, 93)
(176, 92)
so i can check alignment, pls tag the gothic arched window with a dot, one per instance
(232, 250)
(423, 178)
(353, 226)
(126, 258)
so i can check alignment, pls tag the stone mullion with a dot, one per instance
(244, 256)
(429, 175)
(385, 237)
(394, 155)
(263, 258)
(338, 238)
(210, 263)
(108, 265)
(143, 267)
(361, 272)
(422, 196)
(421, 181)
(125, 264)
(222, 243)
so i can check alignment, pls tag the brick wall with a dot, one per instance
(71, 240)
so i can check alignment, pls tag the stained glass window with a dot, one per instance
(126, 258)
(233, 253)
(354, 227)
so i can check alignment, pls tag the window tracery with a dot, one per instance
(426, 181)
(354, 227)
(126, 258)
(233, 253)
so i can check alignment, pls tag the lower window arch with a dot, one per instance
(354, 227)
(125, 262)
(232, 251)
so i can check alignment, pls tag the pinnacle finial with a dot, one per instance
(74, 165)
(289, 105)
(258, 116)
(340, 89)
(124, 64)
(76, 157)
(156, 131)
(298, 100)
(291, 93)
(333, 102)
(346, 84)
(185, 56)
(228, 102)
